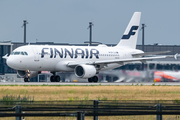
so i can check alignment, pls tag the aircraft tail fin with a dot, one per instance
(129, 38)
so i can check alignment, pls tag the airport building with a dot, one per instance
(6, 47)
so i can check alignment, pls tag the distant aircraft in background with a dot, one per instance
(84, 61)
(167, 76)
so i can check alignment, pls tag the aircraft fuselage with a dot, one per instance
(56, 58)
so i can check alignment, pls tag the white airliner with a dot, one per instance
(84, 61)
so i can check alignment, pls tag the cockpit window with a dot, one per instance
(19, 53)
(22, 53)
(16, 53)
(25, 53)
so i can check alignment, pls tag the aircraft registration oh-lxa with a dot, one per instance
(84, 61)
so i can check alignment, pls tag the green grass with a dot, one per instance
(71, 91)
(23, 91)
(55, 92)
(173, 92)
(116, 91)
(6, 91)
(11, 99)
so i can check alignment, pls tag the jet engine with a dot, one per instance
(28, 74)
(85, 71)
(21, 73)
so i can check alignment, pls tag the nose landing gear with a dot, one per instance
(26, 79)
(27, 76)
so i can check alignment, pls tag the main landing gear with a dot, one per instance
(55, 78)
(93, 79)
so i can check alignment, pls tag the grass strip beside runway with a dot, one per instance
(71, 93)
(46, 93)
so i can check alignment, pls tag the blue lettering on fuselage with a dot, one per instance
(87, 53)
(59, 53)
(43, 52)
(79, 51)
(51, 50)
(72, 53)
(94, 52)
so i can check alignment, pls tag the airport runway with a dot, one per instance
(89, 84)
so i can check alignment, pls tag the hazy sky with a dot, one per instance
(66, 21)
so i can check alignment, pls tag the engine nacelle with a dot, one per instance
(85, 71)
(29, 74)
(21, 73)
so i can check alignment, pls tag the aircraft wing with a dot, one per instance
(149, 53)
(143, 59)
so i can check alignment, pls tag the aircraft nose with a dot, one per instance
(15, 63)
(10, 62)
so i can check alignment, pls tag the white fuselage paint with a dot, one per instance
(66, 58)
(55, 58)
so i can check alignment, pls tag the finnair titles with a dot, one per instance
(72, 53)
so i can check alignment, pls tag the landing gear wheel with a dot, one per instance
(90, 79)
(26, 80)
(57, 79)
(52, 78)
(95, 79)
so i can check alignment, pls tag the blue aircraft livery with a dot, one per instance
(130, 32)
(72, 53)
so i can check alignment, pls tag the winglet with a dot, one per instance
(5, 57)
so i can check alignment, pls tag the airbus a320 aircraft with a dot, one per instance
(84, 61)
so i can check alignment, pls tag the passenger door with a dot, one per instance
(36, 54)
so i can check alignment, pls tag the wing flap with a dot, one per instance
(128, 60)
(149, 53)
(72, 64)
